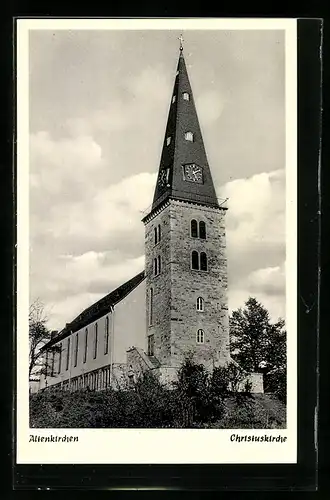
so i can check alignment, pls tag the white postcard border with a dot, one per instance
(167, 446)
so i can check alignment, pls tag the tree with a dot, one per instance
(277, 352)
(255, 340)
(39, 335)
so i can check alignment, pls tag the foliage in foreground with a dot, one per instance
(254, 340)
(198, 399)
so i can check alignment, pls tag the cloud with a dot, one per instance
(72, 283)
(85, 240)
(60, 169)
(256, 240)
(141, 97)
(270, 281)
(72, 198)
(209, 106)
(87, 237)
(103, 117)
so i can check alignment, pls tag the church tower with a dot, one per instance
(185, 246)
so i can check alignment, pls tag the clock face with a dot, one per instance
(163, 177)
(193, 173)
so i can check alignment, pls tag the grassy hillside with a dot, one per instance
(110, 409)
(257, 411)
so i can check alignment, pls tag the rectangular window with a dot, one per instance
(86, 344)
(131, 381)
(68, 355)
(151, 345)
(46, 365)
(76, 351)
(106, 336)
(95, 341)
(60, 358)
(151, 292)
(53, 361)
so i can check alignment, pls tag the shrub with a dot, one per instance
(275, 382)
(198, 399)
(248, 387)
(219, 382)
(199, 394)
(235, 376)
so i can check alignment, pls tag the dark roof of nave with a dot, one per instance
(97, 310)
(182, 118)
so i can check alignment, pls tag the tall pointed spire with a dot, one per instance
(184, 172)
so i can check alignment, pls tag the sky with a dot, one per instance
(98, 105)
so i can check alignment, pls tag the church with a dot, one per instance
(179, 302)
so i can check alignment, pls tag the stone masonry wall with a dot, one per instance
(161, 285)
(188, 284)
(176, 289)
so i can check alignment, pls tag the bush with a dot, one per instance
(147, 405)
(198, 399)
(275, 382)
(200, 393)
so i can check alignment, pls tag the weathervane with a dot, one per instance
(181, 41)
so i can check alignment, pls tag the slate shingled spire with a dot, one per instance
(179, 152)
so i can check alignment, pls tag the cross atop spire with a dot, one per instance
(181, 42)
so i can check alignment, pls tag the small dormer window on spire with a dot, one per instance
(186, 96)
(173, 99)
(189, 136)
(168, 140)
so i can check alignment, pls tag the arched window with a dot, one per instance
(155, 235)
(186, 96)
(202, 230)
(159, 233)
(203, 265)
(200, 304)
(155, 267)
(106, 336)
(189, 136)
(95, 340)
(194, 260)
(86, 344)
(159, 264)
(200, 336)
(151, 299)
(193, 227)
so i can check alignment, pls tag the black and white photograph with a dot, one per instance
(156, 207)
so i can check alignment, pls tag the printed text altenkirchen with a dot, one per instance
(52, 439)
